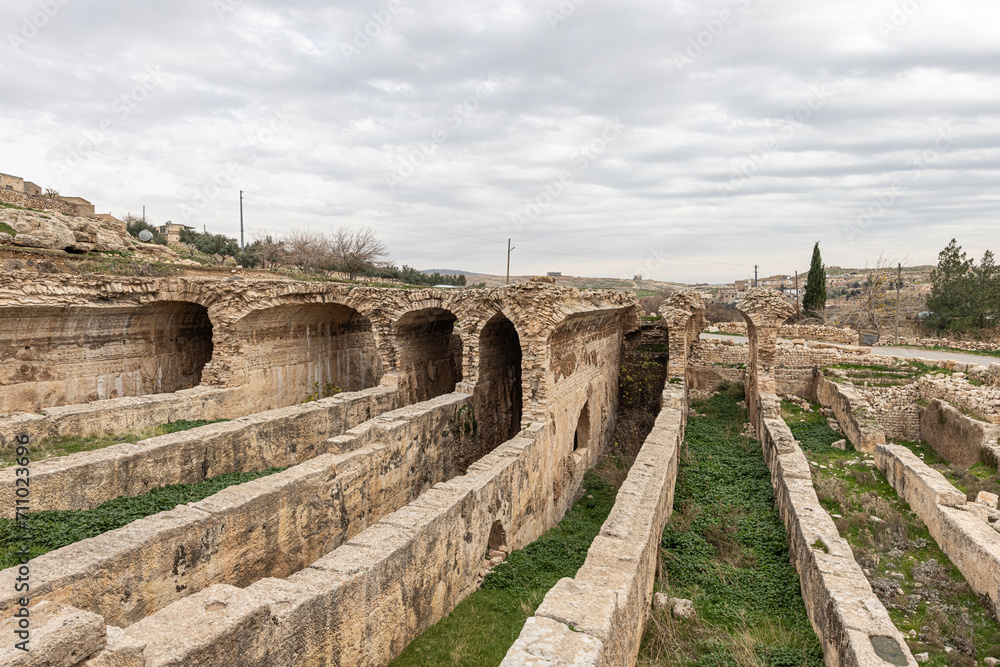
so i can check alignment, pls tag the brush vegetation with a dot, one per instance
(926, 596)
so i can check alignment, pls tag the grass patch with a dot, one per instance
(51, 530)
(483, 627)
(726, 549)
(71, 444)
(7, 229)
(913, 578)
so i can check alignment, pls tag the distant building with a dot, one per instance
(80, 206)
(172, 231)
(554, 273)
(9, 182)
(109, 218)
(32, 189)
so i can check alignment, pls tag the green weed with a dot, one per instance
(726, 549)
(71, 444)
(483, 627)
(51, 530)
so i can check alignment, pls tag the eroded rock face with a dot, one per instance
(55, 231)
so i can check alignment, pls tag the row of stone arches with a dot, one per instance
(59, 355)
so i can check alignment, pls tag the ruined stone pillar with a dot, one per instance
(764, 310)
(676, 322)
(683, 316)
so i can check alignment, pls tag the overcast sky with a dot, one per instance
(680, 140)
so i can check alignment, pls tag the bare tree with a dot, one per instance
(354, 250)
(876, 307)
(306, 249)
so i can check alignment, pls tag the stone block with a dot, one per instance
(60, 636)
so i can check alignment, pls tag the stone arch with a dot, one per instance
(62, 355)
(498, 397)
(428, 354)
(288, 351)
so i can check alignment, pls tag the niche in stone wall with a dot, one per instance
(291, 351)
(428, 354)
(498, 536)
(63, 355)
(581, 437)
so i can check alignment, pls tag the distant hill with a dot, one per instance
(450, 272)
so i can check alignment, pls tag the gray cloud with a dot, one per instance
(368, 88)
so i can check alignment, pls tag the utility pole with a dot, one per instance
(797, 311)
(509, 248)
(144, 213)
(899, 284)
(755, 267)
(242, 245)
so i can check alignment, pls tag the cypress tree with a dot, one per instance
(814, 301)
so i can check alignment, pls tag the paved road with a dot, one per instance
(968, 358)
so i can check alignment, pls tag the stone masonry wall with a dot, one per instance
(535, 310)
(846, 335)
(281, 437)
(981, 400)
(841, 606)
(599, 616)
(42, 203)
(364, 602)
(844, 611)
(971, 543)
(956, 437)
(270, 527)
(895, 409)
(853, 413)
(123, 415)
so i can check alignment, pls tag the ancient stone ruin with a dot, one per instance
(418, 430)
